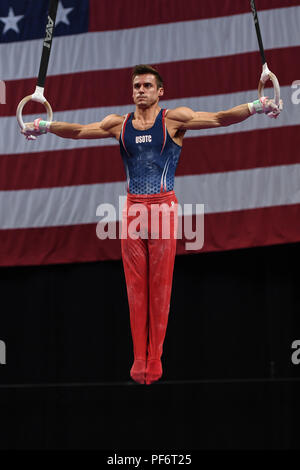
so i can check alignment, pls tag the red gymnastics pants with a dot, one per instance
(148, 244)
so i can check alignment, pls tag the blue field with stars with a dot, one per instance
(22, 20)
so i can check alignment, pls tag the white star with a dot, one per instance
(61, 15)
(11, 21)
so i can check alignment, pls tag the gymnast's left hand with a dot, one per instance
(271, 109)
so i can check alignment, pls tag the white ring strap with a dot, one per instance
(37, 96)
(275, 82)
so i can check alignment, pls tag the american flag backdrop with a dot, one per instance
(246, 175)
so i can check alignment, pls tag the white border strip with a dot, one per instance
(197, 39)
(12, 142)
(219, 192)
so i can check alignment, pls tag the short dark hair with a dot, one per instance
(142, 69)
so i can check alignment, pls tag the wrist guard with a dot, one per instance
(257, 106)
(42, 126)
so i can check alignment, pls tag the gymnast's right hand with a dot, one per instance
(36, 128)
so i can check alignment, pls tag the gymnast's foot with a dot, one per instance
(138, 371)
(153, 371)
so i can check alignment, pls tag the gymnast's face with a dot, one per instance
(145, 92)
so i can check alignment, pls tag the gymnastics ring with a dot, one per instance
(266, 75)
(37, 96)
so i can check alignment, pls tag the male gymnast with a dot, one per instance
(150, 141)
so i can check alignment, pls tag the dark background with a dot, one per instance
(228, 381)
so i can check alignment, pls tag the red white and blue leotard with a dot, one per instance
(150, 156)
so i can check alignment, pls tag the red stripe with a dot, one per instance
(109, 15)
(123, 132)
(201, 77)
(164, 134)
(164, 130)
(255, 227)
(200, 155)
(61, 168)
(240, 151)
(68, 244)
(225, 231)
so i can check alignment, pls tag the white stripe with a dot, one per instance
(165, 178)
(13, 142)
(56, 206)
(165, 137)
(122, 139)
(242, 189)
(127, 174)
(163, 173)
(219, 192)
(152, 44)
